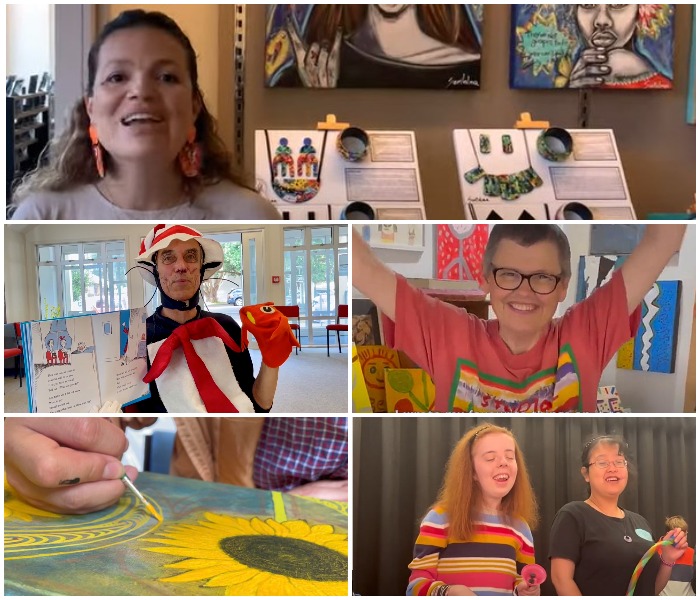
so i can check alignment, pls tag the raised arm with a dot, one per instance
(649, 259)
(372, 277)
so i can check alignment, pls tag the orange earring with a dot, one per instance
(190, 156)
(97, 151)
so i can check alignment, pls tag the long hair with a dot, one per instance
(447, 23)
(460, 495)
(70, 159)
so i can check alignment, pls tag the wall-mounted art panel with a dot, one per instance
(610, 46)
(436, 46)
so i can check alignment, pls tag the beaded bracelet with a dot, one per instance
(665, 563)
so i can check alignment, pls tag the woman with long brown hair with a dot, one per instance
(141, 144)
(477, 537)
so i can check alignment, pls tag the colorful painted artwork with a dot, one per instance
(374, 360)
(409, 391)
(608, 400)
(611, 46)
(360, 397)
(214, 540)
(397, 237)
(654, 348)
(594, 272)
(459, 252)
(434, 46)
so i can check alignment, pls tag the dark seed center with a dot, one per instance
(287, 556)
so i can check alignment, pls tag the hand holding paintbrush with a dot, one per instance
(66, 465)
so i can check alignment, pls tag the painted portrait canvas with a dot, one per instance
(604, 46)
(434, 46)
(653, 349)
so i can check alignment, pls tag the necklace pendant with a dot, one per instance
(628, 539)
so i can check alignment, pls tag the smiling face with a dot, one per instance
(611, 481)
(495, 466)
(389, 10)
(179, 268)
(143, 103)
(607, 26)
(522, 311)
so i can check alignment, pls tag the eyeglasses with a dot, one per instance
(540, 283)
(191, 256)
(620, 463)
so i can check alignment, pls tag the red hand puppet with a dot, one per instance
(272, 332)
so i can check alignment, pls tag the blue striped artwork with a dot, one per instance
(657, 337)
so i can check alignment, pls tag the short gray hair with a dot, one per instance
(529, 235)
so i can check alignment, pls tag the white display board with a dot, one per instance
(592, 176)
(387, 178)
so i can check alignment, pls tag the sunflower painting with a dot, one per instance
(215, 539)
(17, 510)
(255, 557)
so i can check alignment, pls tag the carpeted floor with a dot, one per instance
(309, 382)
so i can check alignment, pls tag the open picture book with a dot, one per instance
(90, 363)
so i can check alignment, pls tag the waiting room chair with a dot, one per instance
(13, 347)
(292, 312)
(338, 327)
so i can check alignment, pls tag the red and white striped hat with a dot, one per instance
(160, 238)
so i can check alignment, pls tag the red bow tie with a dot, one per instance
(214, 399)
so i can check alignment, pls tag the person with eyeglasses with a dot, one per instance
(525, 360)
(596, 544)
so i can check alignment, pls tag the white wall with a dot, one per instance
(16, 293)
(21, 268)
(28, 45)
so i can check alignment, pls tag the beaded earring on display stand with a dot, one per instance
(190, 156)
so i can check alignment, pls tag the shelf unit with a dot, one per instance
(28, 131)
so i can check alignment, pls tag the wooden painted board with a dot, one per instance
(215, 539)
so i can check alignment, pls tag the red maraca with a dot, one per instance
(534, 575)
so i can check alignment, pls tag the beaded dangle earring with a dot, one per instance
(97, 151)
(190, 156)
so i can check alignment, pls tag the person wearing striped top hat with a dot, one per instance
(205, 369)
(477, 538)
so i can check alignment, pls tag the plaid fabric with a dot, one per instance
(293, 451)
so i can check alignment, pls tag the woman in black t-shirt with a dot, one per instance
(595, 545)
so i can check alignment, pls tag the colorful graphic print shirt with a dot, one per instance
(488, 563)
(474, 371)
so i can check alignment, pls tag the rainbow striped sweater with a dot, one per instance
(488, 563)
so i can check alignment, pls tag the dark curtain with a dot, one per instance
(399, 464)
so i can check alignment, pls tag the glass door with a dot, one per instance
(316, 277)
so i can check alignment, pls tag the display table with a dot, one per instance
(215, 539)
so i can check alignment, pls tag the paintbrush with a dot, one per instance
(149, 507)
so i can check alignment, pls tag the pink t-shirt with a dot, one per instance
(474, 370)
